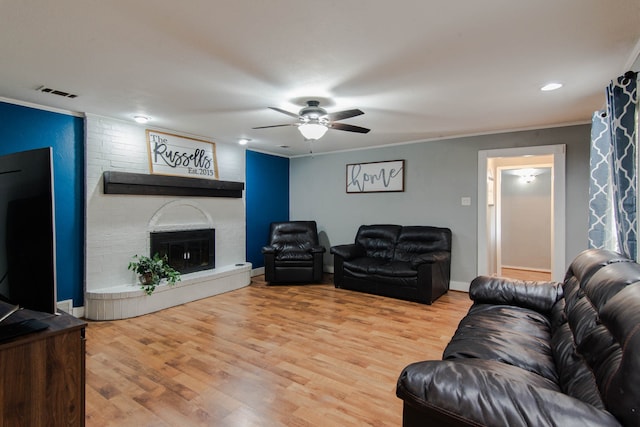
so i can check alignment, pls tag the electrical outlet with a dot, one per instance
(465, 201)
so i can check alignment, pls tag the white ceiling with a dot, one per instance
(419, 69)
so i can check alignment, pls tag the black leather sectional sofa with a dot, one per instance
(406, 262)
(538, 353)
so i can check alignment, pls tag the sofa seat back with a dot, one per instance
(414, 241)
(293, 240)
(596, 338)
(378, 241)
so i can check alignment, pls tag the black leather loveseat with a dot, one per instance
(538, 353)
(411, 262)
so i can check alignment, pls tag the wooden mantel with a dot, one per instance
(161, 185)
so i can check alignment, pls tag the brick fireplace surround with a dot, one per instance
(118, 226)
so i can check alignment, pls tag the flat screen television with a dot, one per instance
(27, 230)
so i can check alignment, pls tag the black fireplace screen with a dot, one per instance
(187, 251)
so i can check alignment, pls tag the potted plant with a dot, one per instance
(151, 270)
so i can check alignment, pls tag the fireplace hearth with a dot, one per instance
(188, 250)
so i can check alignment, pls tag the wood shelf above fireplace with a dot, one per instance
(160, 185)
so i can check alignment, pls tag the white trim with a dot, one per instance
(558, 203)
(257, 271)
(42, 107)
(633, 57)
(517, 267)
(444, 138)
(459, 286)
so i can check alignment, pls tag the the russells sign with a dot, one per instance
(171, 154)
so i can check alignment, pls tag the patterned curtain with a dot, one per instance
(613, 176)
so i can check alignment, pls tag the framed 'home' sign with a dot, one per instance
(177, 155)
(375, 177)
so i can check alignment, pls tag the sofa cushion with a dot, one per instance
(474, 392)
(575, 376)
(379, 267)
(603, 317)
(416, 240)
(591, 260)
(289, 252)
(378, 241)
(514, 335)
(539, 296)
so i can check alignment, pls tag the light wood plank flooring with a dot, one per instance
(524, 274)
(264, 355)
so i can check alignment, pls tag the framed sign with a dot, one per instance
(176, 155)
(375, 177)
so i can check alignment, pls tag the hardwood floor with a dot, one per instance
(264, 356)
(524, 274)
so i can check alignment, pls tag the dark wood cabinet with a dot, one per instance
(43, 373)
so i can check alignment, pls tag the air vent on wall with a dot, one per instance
(56, 92)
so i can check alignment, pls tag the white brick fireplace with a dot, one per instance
(118, 226)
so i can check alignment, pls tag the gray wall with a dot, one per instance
(437, 175)
(526, 217)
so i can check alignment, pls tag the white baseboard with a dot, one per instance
(65, 305)
(459, 286)
(78, 312)
(517, 267)
(257, 271)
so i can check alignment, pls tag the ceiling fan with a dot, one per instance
(314, 121)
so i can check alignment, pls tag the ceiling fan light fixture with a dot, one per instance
(312, 131)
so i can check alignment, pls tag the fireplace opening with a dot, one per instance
(188, 250)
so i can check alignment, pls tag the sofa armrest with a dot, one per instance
(318, 249)
(268, 250)
(349, 251)
(430, 258)
(474, 392)
(539, 296)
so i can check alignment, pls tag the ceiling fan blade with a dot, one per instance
(341, 115)
(349, 128)
(288, 113)
(275, 126)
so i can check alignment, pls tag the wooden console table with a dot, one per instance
(43, 373)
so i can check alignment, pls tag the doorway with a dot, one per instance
(493, 167)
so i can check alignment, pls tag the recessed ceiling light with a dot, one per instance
(141, 119)
(243, 141)
(551, 86)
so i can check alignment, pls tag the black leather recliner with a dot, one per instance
(293, 254)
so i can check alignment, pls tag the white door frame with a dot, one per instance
(558, 255)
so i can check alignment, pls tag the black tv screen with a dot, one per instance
(27, 230)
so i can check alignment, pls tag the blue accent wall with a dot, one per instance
(24, 128)
(267, 200)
